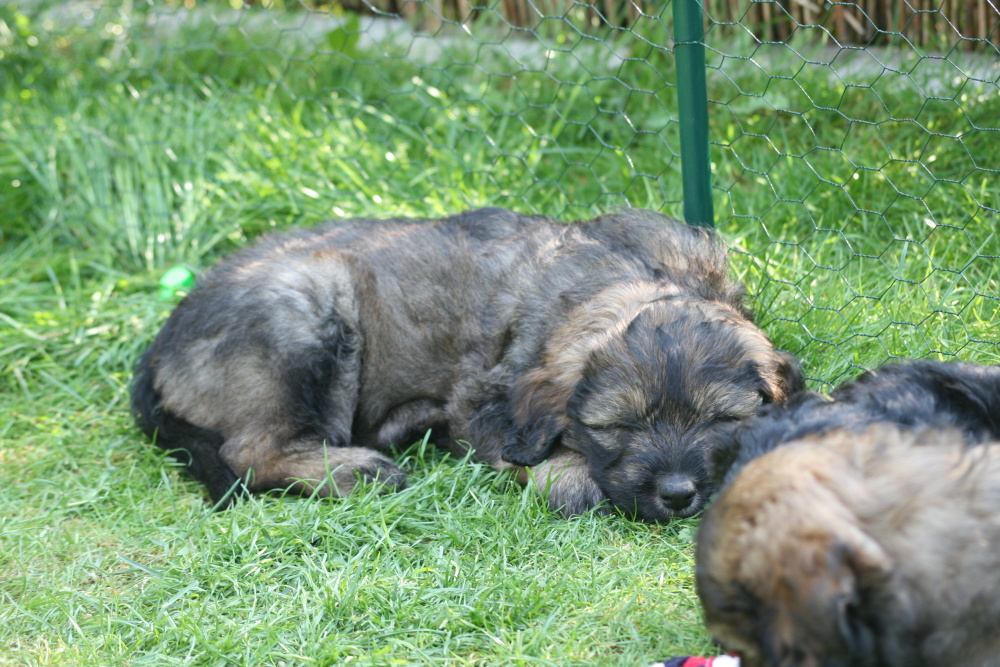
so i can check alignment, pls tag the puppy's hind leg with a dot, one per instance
(195, 447)
(302, 443)
(311, 467)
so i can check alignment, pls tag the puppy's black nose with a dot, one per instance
(677, 491)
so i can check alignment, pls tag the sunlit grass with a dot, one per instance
(124, 150)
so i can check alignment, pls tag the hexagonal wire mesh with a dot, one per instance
(853, 145)
(857, 177)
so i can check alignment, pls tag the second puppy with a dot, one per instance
(863, 530)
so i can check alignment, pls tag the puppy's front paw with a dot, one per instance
(576, 499)
(522, 456)
(566, 482)
(530, 447)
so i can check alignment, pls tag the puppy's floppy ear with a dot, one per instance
(973, 392)
(791, 379)
(844, 593)
(724, 451)
(538, 404)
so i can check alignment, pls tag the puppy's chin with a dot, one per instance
(642, 499)
(651, 508)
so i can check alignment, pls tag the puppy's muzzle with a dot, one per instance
(677, 491)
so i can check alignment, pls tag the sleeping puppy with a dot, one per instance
(862, 531)
(853, 549)
(594, 358)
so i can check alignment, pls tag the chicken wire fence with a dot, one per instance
(852, 162)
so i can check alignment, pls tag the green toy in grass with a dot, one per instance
(177, 280)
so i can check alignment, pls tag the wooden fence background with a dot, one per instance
(931, 23)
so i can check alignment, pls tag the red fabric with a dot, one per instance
(695, 661)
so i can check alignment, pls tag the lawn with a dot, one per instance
(860, 202)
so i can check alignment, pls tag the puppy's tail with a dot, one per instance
(196, 447)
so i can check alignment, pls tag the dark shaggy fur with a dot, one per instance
(862, 531)
(595, 357)
(913, 394)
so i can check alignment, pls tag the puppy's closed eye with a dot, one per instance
(726, 418)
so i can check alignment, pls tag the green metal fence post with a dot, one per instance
(692, 102)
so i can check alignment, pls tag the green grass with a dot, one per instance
(861, 215)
